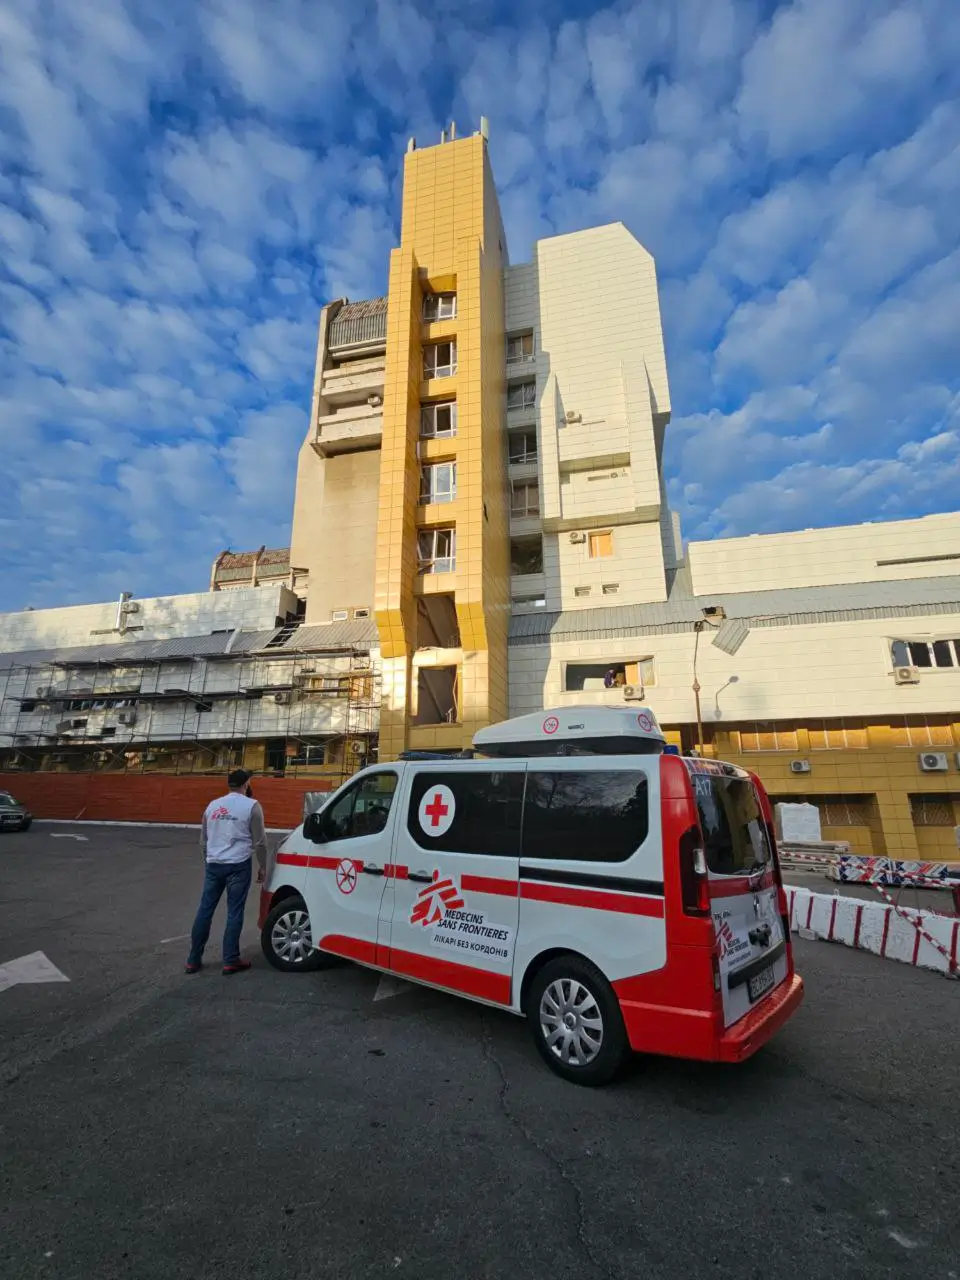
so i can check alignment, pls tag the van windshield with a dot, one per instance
(734, 836)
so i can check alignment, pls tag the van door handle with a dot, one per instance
(371, 869)
(424, 877)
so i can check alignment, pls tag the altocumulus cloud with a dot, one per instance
(184, 185)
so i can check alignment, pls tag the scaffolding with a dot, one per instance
(309, 713)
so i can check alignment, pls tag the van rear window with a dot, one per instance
(598, 815)
(734, 836)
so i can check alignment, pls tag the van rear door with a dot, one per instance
(743, 891)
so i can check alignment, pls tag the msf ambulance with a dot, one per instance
(570, 870)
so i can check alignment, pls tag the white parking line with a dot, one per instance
(179, 938)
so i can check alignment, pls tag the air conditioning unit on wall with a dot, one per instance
(282, 698)
(633, 693)
(576, 537)
(933, 761)
(906, 675)
(799, 766)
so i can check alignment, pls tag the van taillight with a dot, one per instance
(694, 884)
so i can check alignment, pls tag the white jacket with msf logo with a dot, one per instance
(232, 830)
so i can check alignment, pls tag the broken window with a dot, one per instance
(439, 306)
(438, 482)
(522, 447)
(586, 677)
(437, 625)
(437, 550)
(519, 347)
(526, 555)
(438, 420)
(522, 395)
(436, 695)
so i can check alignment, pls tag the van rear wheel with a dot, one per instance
(286, 939)
(576, 1021)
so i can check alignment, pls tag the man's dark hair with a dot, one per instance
(237, 779)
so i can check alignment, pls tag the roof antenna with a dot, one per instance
(485, 128)
(453, 130)
(411, 145)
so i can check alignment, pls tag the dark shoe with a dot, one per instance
(192, 968)
(236, 966)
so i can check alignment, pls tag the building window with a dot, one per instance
(361, 613)
(611, 588)
(339, 615)
(525, 498)
(436, 695)
(437, 550)
(519, 347)
(766, 736)
(526, 555)
(932, 811)
(580, 592)
(600, 544)
(923, 732)
(438, 420)
(314, 753)
(529, 602)
(522, 446)
(522, 395)
(836, 735)
(439, 306)
(438, 482)
(925, 653)
(440, 360)
(592, 677)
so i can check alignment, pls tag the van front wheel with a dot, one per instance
(286, 939)
(576, 1021)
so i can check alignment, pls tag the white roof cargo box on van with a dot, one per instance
(573, 731)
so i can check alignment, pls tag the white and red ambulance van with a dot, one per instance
(621, 897)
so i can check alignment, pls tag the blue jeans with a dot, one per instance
(235, 878)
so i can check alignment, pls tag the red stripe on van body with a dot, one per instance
(489, 884)
(315, 861)
(462, 978)
(597, 899)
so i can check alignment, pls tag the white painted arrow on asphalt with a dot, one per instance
(65, 835)
(32, 968)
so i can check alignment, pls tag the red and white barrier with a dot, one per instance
(921, 938)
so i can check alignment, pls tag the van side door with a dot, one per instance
(350, 866)
(455, 908)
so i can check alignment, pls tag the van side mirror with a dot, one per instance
(313, 827)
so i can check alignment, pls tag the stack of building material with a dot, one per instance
(812, 855)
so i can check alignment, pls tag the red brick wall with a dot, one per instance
(150, 797)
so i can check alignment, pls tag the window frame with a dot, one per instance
(907, 647)
(427, 563)
(516, 486)
(526, 457)
(429, 427)
(598, 534)
(527, 384)
(526, 573)
(430, 472)
(446, 297)
(437, 370)
(520, 336)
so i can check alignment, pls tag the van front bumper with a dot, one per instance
(744, 1038)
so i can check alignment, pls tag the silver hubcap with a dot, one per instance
(290, 936)
(571, 1022)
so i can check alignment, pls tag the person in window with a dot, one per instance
(610, 678)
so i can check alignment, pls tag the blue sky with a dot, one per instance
(183, 185)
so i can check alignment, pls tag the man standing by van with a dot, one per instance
(231, 832)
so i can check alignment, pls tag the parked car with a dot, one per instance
(13, 815)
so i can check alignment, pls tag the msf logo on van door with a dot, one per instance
(435, 901)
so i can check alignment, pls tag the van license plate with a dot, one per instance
(761, 984)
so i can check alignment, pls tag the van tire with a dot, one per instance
(572, 983)
(289, 919)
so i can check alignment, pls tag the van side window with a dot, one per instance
(487, 808)
(363, 810)
(593, 816)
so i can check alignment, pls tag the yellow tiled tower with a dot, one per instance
(442, 568)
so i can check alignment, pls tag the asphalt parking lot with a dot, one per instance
(155, 1125)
